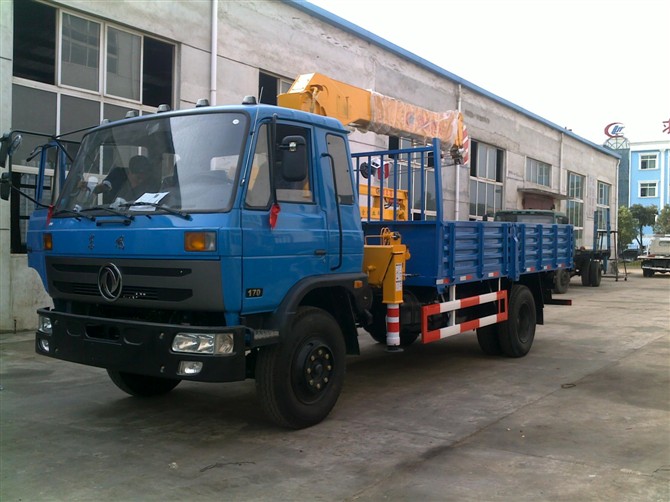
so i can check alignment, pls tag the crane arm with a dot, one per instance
(370, 111)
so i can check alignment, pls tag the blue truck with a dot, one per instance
(222, 243)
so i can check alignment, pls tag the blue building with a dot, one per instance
(649, 175)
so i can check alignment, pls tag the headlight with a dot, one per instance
(44, 325)
(204, 343)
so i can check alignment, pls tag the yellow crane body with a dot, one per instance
(370, 111)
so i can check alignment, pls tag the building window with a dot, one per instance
(34, 41)
(486, 180)
(270, 86)
(648, 189)
(603, 205)
(538, 172)
(575, 205)
(123, 64)
(65, 89)
(80, 52)
(157, 72)
(648, 161)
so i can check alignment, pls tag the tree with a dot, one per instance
(627, 228)
(645, 216)
(663, 221)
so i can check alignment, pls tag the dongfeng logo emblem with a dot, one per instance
(109, 282)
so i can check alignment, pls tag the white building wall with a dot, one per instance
(280, 39)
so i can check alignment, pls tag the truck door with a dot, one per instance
(280, 249)
(46, 192)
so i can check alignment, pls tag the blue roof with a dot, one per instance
(368, 36)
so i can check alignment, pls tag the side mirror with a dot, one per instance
(8, 146)
(5, 186)
(294, 158)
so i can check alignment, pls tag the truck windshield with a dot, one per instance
(188, 163)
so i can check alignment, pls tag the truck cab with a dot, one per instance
(184, 243)
(657, 258)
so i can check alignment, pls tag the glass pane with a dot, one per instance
(39, 117)
(77, 113)
(123, 64)
(113, 112)
(481, 198)
(258, 191)
(80, 52)
(338, 152)
(473, 197)
(157, 72)
(35, 41)
(491, 163)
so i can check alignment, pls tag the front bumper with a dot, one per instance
(656, 264)
(137, 347)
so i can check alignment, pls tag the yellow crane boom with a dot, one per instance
(370, 111)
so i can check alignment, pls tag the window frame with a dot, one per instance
(647, 185)
(646, 157)
(497, 185)
(576, 197)
(535, 174)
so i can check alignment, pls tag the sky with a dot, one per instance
(581, 64)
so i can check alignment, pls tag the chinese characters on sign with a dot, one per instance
(666, 123)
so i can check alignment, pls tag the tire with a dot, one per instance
(561, 281)
(518, 332)
(647, 273)
(142, 385)
(586, 273)
(299, 380)
(489, 340)
(377, 329)
(595, 274)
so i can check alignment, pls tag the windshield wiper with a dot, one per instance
(109, 210)
(167, 209)
(77, 215)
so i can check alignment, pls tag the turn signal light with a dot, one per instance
(200, 241)
(48, 242)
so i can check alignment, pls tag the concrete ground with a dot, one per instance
(585, 416)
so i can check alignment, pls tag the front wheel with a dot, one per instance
(518, 331)
(142, 385)
(299, 380)
(647, 273)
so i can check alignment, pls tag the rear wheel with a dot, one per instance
(142, 385)
(595, 274)
(518, 332)
(299, 380)
(586, 273)
(561, 281)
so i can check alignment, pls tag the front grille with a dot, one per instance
(139, 293)
(183, 284)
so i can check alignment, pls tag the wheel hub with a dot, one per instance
(315, 366)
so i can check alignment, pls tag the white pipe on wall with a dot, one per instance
(214, 50)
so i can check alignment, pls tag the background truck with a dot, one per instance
(222, 243)
(657, 258)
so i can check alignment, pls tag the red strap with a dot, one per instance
(274, 214)
(50, 212)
